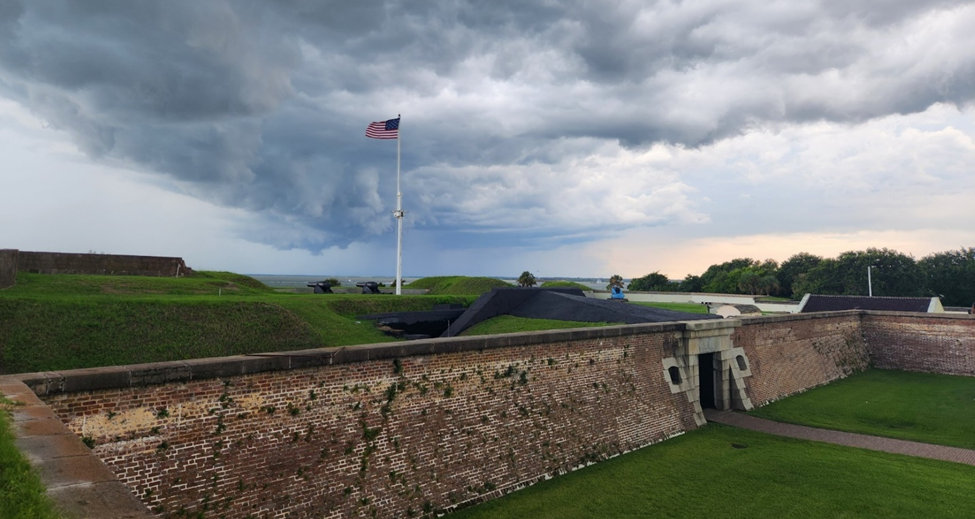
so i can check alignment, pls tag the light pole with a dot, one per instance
(869, 282)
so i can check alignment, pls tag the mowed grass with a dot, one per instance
(703, 474)
(59, 322)
(22, 495)
(457, 285)
(691, 308)
(922, 407)
(512, 324)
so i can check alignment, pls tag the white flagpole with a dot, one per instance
(399, 217)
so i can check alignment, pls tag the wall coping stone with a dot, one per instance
(136, 375)
(79, 483)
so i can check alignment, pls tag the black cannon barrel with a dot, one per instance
(322, 287)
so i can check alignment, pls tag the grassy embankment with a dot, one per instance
(566, 284)
(691, 308)
(922, 407)
(512, 324)
(56, 322)
(457, 285)
(720, 471)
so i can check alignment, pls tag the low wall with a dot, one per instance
(114, 264)
(934, 343)
(792, 353)
(8, 267)
(388, 430)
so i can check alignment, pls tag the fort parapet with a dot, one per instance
(112, 264)
(411, 428)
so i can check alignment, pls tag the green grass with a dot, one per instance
(691, 308)
(200, 283)
(58, 322)
(22, 496)
(457, 285)
(702, 474)
(922, 407)
(566, 284)
(512, 324)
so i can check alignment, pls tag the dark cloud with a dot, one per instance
(262, 106)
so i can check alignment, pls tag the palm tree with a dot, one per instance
(526, 279)
(615, 280)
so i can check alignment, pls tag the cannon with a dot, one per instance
(616, 293)
(369, 287)
(322, 287)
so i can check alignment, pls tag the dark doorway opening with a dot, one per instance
(705, 363)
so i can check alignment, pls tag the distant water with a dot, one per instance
(294, 281)
(301, 281)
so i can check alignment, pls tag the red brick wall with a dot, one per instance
(115, 264)
(340, 441)
(935, 343)
(789, 354)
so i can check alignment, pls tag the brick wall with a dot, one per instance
(8, 267)
(789, 354)
(394, 438)
(409, 428)
(935, 343)
(66, 263)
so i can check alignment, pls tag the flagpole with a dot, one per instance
(399, 217)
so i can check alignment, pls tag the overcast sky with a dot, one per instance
(568, 138)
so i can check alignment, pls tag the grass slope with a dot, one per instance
(457, 285)
(56, 334)
(57, 322)
(691, 308)
(702, 474)
(566, 284)
(22, 495)
(922, 407)
(512, 324)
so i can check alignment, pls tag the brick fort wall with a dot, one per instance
(933, 343)
(790, 354)
(412, 428)
(114, 264)
(391, 437)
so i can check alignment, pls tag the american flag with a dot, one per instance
(384, 129)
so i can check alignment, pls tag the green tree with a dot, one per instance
(894, 274)
(615, 280)
(748, 281)
(795, 268)
(654, 281)
(951, 274)
(768, 285)
(526, 279)
(691, 283)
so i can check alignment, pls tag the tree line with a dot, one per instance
(949, 275)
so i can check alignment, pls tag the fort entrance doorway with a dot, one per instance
(706, 376)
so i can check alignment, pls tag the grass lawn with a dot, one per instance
(691, 308)
(511, 324)
(57, 322)
(922, 407)
(21, 492)
(702, 474)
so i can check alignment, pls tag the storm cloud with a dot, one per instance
(537, 123)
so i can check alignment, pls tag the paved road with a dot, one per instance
(863, 441)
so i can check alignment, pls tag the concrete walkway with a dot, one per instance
(863, 441)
